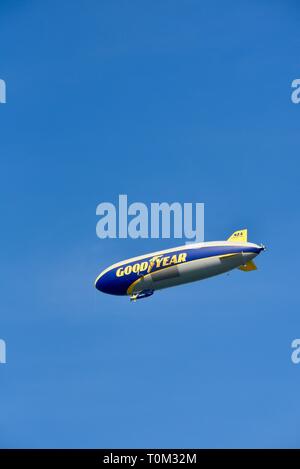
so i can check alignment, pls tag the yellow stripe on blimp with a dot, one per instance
(133, 284)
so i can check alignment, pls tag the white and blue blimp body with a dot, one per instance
(141, 276)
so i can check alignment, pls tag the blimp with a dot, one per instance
(139, 277)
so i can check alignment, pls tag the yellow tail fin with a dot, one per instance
(239, 236)
(248, 266)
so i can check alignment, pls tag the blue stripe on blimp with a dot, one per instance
(110, 283)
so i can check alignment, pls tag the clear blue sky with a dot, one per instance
(163, 101)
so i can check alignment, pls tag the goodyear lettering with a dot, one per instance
(155, 262)
(182, 257)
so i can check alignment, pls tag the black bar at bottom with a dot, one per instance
(137, 457)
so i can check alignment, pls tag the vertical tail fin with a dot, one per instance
(240, 236)
(248, 266)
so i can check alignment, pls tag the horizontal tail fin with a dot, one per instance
(240, 236)
(248, 266)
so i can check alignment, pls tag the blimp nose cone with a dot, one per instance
(101, 284)
(106, 283)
